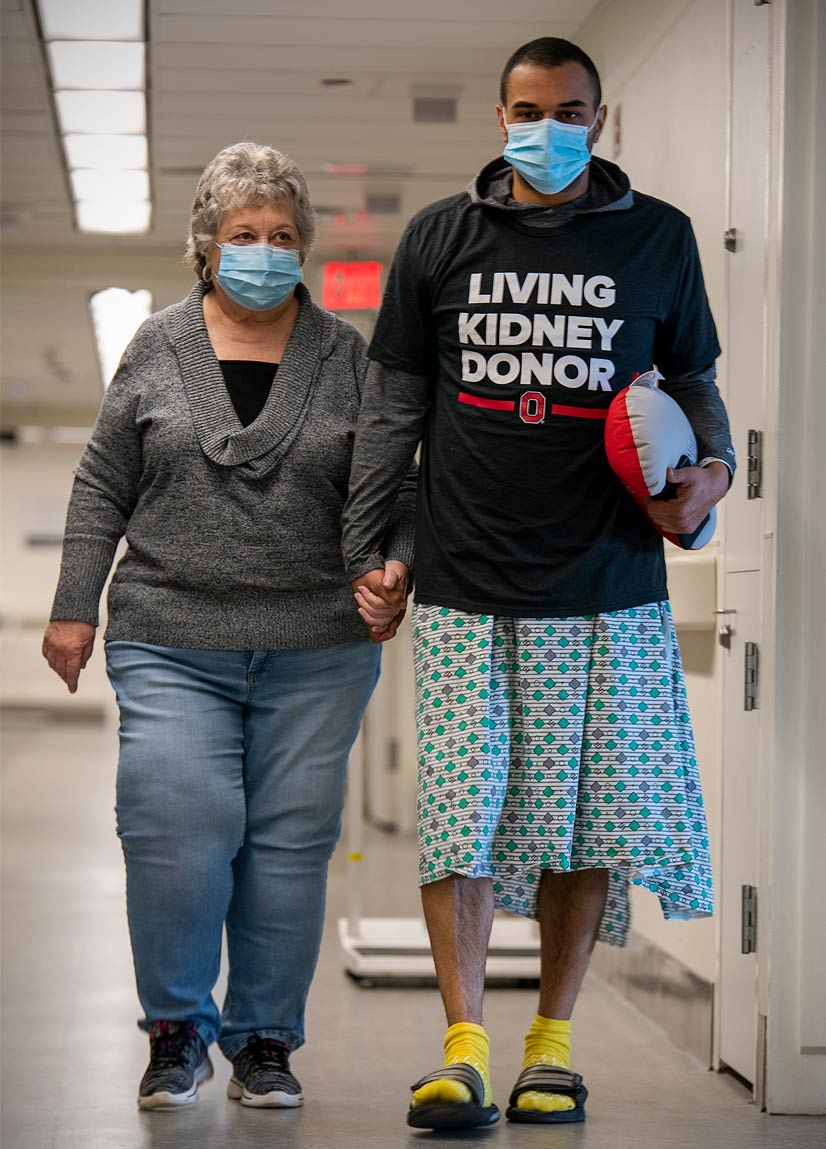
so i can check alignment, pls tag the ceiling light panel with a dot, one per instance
(97, 64)
(105, 112)
(127, 185)
(125, 217)
(92, 19)
(106, 151)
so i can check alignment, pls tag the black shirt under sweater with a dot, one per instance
(248, 382)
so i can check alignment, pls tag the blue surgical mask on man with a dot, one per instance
(549, 155)
(258, 276)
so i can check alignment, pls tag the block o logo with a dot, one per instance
(532, 407)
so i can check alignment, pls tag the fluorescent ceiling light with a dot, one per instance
(101, 111)
(117, 314)
(117, 185)
(124, 217)
(97, 64)
(101, 151)
(92, 19)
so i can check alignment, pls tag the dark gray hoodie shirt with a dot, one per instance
(514, 519)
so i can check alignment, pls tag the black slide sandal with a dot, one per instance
(453, 1114)
(548, 1079)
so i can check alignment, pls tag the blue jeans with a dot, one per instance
(229, 798)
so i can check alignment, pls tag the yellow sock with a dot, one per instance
(548, 1042)
(464, 1043)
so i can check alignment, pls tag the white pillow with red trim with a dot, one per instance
(646, 432)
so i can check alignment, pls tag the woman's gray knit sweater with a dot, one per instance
(234, 533)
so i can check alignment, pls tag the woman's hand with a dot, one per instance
(381, 596)
(67, 647)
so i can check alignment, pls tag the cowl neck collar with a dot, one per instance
(259, 448)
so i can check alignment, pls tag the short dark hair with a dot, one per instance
(550, 52)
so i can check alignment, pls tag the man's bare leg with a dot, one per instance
(570, 909)
(459, 916)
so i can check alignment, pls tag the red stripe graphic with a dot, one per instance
(490, 404)
(556, 408)
(580, 412)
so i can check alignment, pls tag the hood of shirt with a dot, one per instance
(608, 190)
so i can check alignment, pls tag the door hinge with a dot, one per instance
(748, 927)
(754, 466)
(752, 676)
(730, 239)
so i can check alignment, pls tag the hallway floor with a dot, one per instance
(73, 1057)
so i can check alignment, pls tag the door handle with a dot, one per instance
(725, 630)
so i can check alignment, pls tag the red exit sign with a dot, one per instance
(351, 286)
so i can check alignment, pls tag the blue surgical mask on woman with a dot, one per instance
(257, 275)
(548, 154)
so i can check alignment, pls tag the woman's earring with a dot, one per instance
(207, 273)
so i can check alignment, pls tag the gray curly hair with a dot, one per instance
(241, 175)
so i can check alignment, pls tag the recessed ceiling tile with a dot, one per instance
(92, 19)
(101, 111)
(97, 64)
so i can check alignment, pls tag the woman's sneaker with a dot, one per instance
(261, 1076)
(178, 1063)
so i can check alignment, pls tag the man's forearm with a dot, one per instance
(700, 400)
(394, 408)
(399, 537)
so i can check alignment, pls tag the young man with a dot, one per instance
(556, 753)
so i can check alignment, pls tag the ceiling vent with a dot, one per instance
(434, 109)
(383, 203)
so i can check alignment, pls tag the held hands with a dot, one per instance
(381, 597)
(67, 647)
(698, 489)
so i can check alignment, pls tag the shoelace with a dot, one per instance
(167, 1044)
(266, 1050)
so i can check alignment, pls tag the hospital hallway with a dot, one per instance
(73, 1055)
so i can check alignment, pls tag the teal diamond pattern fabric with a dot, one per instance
(559, 744)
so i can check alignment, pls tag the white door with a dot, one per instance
(742, 579)
(737, 1001)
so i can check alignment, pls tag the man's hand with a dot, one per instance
(67, 647)
(381, 596)
(698, 489)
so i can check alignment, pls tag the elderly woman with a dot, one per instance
(240, 663)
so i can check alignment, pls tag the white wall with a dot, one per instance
(36, 482)
(665, 65)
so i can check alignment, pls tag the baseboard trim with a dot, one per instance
(663, 989)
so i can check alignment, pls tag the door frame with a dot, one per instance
(761, 562)
(792, 924)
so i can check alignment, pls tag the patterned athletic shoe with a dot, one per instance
(178, 1063)
(261, 1076)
